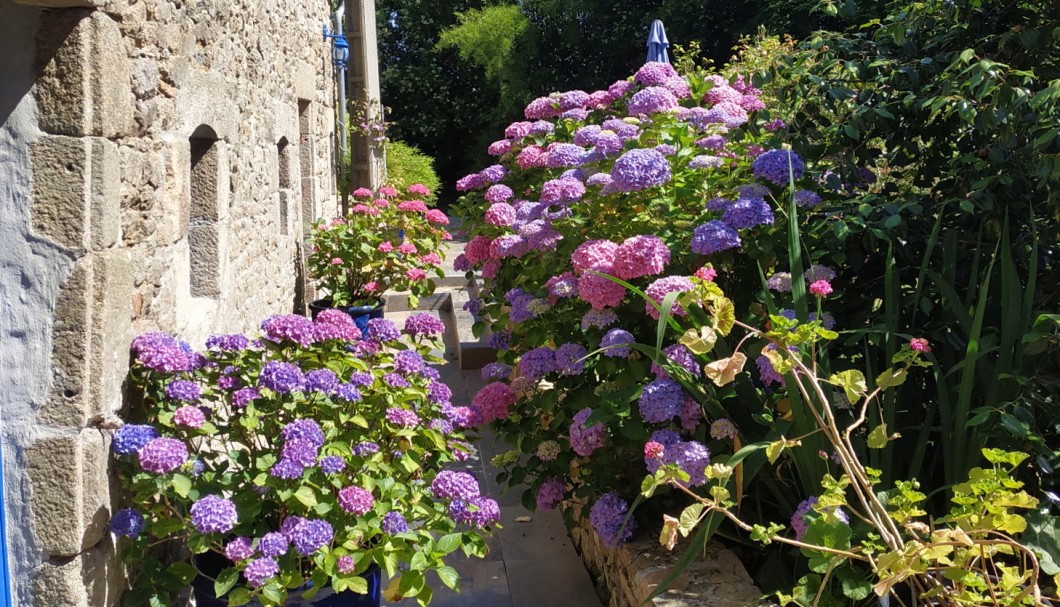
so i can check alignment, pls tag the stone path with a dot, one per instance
(530, 564)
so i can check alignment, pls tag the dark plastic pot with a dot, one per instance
(360, 314)
(213, 563)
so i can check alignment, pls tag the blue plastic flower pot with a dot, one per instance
(204, 595)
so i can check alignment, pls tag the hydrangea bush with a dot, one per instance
(667, 183)
(308, 454)
(388, 240)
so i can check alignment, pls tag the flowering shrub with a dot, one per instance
(305, 455)
(387, 241)
(665, 182)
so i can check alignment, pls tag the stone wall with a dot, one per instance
(630, 573)
(158, 159)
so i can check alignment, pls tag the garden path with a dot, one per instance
(531, 561)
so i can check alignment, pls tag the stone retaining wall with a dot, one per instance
(630, 573)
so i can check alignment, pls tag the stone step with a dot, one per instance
(475, 352)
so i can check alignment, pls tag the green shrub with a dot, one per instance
(406, 165)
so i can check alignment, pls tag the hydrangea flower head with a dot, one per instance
(608, 517)
(639, 169)
(493, 400)
(658, 290)
(617, 342)
(586, 440)
(130, 438)
(312, 535)
(261, 570)
(213, 514)
(189, 416)
(639, 256)
(281, 377)
(713, 237)
(273, 544)
(652, 100)
(356, 500)
(394, 522)
(661, 400)
(239, 548)
(500, 213)
(449, 484)
(778, 166)
(163, 455)
(128, 522)
(747, 213)
(288, 327)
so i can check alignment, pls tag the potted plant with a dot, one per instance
(387, 241)
(307, 461)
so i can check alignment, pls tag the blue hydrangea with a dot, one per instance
(321, 380)
(494, 371)
(227, 343)
(639, 169)
(713, 237)
(349, 393)
(449, 484)
(408, 362)
(382, 330)
(332, 464)
(568, 358)
(661, 400)
(303, 429)
(608, 517)
(479, 511)
(748, 213)
(130, 438)
(281, 377)
(273, 544)
(394, 523)
(773, 165)
(537, 363)
(183, 390)
(617, 342)
(128, 522)
(500, 340)
(365, 448)
(807, 198)
(361, 379)
(439, 393)
(311, 536)
(565, 155)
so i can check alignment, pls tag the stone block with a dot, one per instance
(105, 202)
(204, 256)
(112, 332)
(91, 579)
(55, 476)
(305, 81)
(83, 82)
(70, 491)
(63, 3)
(65, 405)
(204, 98)
(61, 170)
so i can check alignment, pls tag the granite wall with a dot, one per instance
(158, 160)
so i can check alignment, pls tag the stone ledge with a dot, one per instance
(630, 573)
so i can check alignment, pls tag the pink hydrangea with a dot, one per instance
(413, 206)
(499, 148)
(385, 246)
(388, 191)
(490, 268)
(493, 400)
(600, 292)
(500, 214)
(381, 203)
(707, 273)
(638, 256)
(372, 287)
(919, 344)
(722, 92)
(678, 87)
(415, 274)
(189, 416)
(432, 259)
(531, 156)
(418, 189)
(363, 209)
(336, 261)
(821, 288)
(586, 440)
(598, 255)
(478, 250)
(654, 73)
(518, 130)
(658, 290)
(436, 216)
(362, 193)
(498, 193)
(542, 107)
(407, 248)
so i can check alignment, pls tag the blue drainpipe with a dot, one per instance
(5, 593)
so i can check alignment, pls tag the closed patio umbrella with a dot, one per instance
(657, 43)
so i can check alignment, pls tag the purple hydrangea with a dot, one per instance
(321, 380)
(361, 379)
(551, 493)
(128, 522)
(565, 155)
(493, 173)
(661, 400)
(303, 429)
(608, 517)
(189, 416)
(617, 342)
(586, 440)
(301, 452)
(408, 362)
(748, 213)
(213, 514)
(439, 393)
(621, 128)
(639, 169)
(349, 393)
(162, 352)
(394, 523)
(598, 318)
(805, 507)
(365, 448)
(395, 380)
(537, 363)
(568, 359)
(289, 327)
(500, 340)
(679, 355)
(494, 371)
(449, 484)
(241, 398)
(773, 165)
(607, 144)
(402, 417)
(239, 549)
(652, 100)
(130, 438)
(227, 343)
(691, 457)
(260, 570)
(356, 500)
(713, 237)
(163, 455)
(423, 324)
(479, 511)
(281, 377)
(654, 73)
(311, 536)
(779, 282)
(443, 426)
(382, 330)
(332, 464)
(273, 544)
(766, 372)
(563, 190)
(704, 161)
(807, 198)
(287, 469)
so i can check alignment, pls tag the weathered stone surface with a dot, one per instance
(63, 3)
(83, 75)
(204, 252)
(90, 579)
(61, 167)
(54, 470)
(65, 405)
(112, 290)
(105, 193)
(95, 486)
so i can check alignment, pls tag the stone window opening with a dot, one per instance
(305, 162)
(284, 181)
(204, 213)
